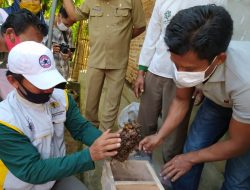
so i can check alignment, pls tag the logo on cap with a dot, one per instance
(44, 61)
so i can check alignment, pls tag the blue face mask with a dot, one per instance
(35, 98)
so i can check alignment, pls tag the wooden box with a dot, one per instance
(130, 175)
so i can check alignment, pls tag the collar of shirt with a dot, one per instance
(219, 74)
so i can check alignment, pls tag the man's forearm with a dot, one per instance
(25, 162)
(217, 152)
(181, 164)
(70, 9)
(137, 31)
(42, 171)
(237, 144)
(177, 112)
(141, 73)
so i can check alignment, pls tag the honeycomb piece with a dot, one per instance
(130, 137)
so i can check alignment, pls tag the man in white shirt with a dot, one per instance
(155, 76)
(198, 39)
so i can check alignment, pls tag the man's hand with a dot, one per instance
(105, 146)
(56, 48)
(66, 56)
(139, 84)
(70, 9)
(150, 142)
(198, 96)
(137, 31)
(177, 167)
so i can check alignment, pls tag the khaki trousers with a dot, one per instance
(114, 82)
(155, 102)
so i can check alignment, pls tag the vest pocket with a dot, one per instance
(58, 115)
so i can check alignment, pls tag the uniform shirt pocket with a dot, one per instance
(122, 12)
(96, 12)
(122, 16)
(95, 16)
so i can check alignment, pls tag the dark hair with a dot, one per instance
(206, 30)
(18, 77)
(63, 12)
(21, 20)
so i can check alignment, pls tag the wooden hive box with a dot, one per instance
(130, 175)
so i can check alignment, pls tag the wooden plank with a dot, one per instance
(131, 170)
(133, 175)
(138, 185)
(154, 176)
(117, 183)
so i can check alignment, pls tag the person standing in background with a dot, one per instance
(112, 25)
(62, 42)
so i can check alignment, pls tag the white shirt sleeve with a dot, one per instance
(152, 36)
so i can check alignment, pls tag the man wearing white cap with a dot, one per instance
(32, 119)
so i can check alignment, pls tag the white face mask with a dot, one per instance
(190, 79)
(62, 27)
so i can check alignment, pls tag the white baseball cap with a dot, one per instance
(36, 63)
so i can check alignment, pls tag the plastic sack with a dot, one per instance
(128, 114)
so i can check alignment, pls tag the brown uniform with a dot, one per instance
(111, 24)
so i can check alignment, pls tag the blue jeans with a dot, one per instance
(209, 125)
